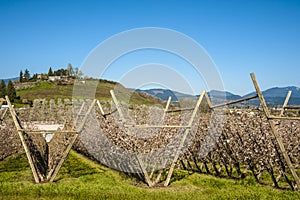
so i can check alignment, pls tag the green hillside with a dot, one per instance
(81, 178)
(54, 90)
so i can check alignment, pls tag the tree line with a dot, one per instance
(70, 72)
(8, 90)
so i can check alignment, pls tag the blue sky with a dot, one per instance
(240, 36)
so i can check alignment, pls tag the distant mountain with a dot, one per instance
(222, 96)
(273, 96)
(164, 94)
(7, 80)
(277, 95)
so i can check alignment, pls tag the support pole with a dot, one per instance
(86, 116)
(54, 173)
(122, 118)
(67, 150)
(167, 107)
(21, 135)
(183, 139)
(208, 101)
(4, 113)
(285, 102)
(274, 131)
(100, 107)
(235, 101)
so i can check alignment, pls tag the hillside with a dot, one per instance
(164, 94)
(81, 178)
(54, 90)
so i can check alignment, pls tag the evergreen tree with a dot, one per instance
(50, 72)
(11, 91)
(70, 70)
(21, 77)
(34, 78)
(2, 89)
(26, 75)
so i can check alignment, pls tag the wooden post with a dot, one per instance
(78, 114)
(167, 107)
(122, 118)
(208, 101)
(274, 131)
(235, 101)
(4, 113)
(62, 159)
(67, 150)
(20, 132)
(183, 139)
(100, 107)
(285, 102)
(86, 116)
(118, 106)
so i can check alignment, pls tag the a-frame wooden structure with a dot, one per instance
(45, 173)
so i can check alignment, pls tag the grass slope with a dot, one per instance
(81, 178)
(52, 90)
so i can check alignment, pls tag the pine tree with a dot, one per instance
(50, 72)
(11, 91)
(26, 75)
(21, 77)
(2, 89)
(70, 70)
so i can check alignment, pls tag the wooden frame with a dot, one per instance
(51, 175)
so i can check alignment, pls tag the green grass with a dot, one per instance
(51, 90)
(81, 178)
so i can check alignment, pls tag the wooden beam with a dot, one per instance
(285, 102)
(283, 118)
(208, 101)
(100, 107)
(46, 131)
(292, 107)
(274, 131)
(78, 114)
(122, 118)
(4, 113)
(27, 151)
(62, 159)
(170, 172)
(180, 110)
(235, 101)
(86, 116)
(155, 126)
(166, 108)
(118, 106)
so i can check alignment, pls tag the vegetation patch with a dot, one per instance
(81, 178)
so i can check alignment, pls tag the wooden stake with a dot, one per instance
(285, 102)
(274, 131)
(100, 107)
(183, 139)
(86, 116)
(141, 164)
(167, 107)
(4, 113)
(235, 101)
(208, 101)
(62, 160)
(21, 135)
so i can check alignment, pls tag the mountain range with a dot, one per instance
(273, 96)
(8, 79)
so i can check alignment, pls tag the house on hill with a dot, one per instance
(54, 78)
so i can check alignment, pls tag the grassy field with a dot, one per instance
(81, 178)
(52, 90)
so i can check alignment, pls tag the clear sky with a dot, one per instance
(240, 36)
